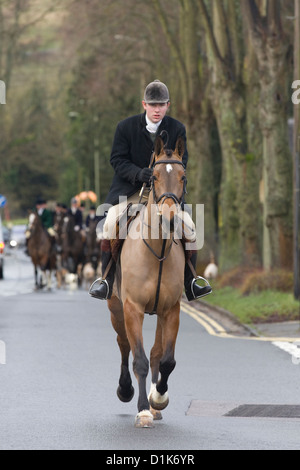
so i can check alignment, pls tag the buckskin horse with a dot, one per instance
(151, 279)
(41, 251)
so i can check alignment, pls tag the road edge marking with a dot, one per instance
(214, 328)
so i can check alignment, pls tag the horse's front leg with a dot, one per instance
(49, 280)
(159, 397)
(134, 318)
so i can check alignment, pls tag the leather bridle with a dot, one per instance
(166, 196)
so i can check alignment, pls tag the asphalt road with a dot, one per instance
(58, 386)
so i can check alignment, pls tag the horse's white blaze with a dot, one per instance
(31, 219)
(169, 168)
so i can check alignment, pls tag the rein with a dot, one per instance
(162, 257)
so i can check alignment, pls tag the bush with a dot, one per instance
(281, 281)
(236, 277)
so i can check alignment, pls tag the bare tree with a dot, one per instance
(271, 46)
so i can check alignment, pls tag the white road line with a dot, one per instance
(213, 328)
(291, 348)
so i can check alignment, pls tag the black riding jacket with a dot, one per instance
(132, 150)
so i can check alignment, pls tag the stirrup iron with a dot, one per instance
(194, 282)
(100, 281)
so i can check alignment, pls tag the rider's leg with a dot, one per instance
(105, 290)
(192, 289)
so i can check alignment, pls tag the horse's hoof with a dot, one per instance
(125, 398)
(157, 401)
(144, 420)
(157, 416)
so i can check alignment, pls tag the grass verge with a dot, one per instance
(258, 307)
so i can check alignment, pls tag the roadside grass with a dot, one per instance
(14, 222)
(257, 307)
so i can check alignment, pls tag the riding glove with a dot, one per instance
(144, 175)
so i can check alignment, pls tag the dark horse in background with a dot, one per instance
(72, 248)
(93, 245)
(42, 252)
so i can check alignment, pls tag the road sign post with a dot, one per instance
(296, 163)
(2, 201)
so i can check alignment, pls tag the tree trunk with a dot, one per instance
(271, 48)
(227, 104)
(239, 240)
(253, 165)
(201, 184)
(296, 216)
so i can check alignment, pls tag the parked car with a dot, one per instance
(2, 247)
(6, 235)
(18, 236)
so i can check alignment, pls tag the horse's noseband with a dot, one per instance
(166, 196)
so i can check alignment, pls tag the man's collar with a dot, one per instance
(144, 122)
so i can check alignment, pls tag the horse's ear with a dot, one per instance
(180, 147)
(159, 146)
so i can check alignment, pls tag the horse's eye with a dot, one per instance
(183, 178)
(154, 178)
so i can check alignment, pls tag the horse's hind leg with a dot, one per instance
(125, 390)
(134, 318)
(159, 398)
(36, 277)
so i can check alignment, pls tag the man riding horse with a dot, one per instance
(131, 159)
(46, 218)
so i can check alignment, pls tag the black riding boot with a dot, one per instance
(192, 290)
(105, 290)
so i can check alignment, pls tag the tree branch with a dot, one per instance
(273, 15)
(253, 19)
(209, 30)
(252, 15)
(211, 37)
(171, 40)
(235, 41)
